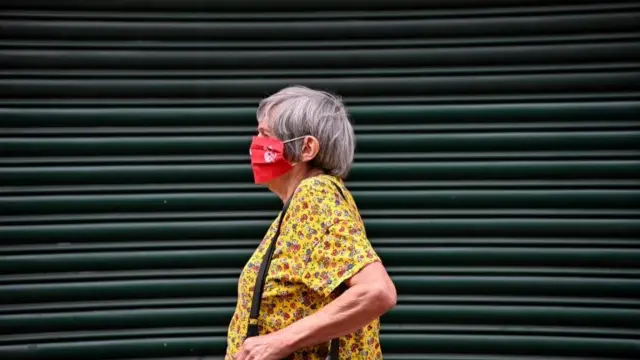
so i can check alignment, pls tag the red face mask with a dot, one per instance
(267, 159)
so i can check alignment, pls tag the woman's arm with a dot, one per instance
(370, 294)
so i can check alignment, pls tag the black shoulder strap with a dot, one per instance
(335, 343)
(339, 190)
(252, 328)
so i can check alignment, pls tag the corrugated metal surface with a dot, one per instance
(497, 170)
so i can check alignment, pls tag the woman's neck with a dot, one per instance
(285, 189)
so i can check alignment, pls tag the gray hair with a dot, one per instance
(299, 111)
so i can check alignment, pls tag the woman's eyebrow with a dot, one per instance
(264, 132)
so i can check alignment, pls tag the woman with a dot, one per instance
(324, 281)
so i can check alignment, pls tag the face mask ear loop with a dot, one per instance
(298, 138)
(294, 139)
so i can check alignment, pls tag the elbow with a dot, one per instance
(390, 298)
(384, 298)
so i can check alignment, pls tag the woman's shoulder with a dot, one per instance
(324, 196)
(321, 185)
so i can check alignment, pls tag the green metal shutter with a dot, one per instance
(497, 169)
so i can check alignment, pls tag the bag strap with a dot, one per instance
(252, 328)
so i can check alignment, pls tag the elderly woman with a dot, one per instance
(314, 288)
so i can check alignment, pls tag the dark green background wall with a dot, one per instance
(498, 169)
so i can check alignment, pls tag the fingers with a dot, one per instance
(242, 354)
(245, 355)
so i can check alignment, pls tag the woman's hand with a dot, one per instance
(265, 347)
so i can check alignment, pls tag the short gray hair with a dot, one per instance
(298, 111)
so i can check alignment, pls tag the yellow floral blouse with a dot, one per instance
(322, 243)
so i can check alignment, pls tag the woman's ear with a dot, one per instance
(310, 148)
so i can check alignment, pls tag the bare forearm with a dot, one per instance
(354, 309)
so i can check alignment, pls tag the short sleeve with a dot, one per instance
(342, 249)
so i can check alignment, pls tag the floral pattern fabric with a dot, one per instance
(322, 243)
